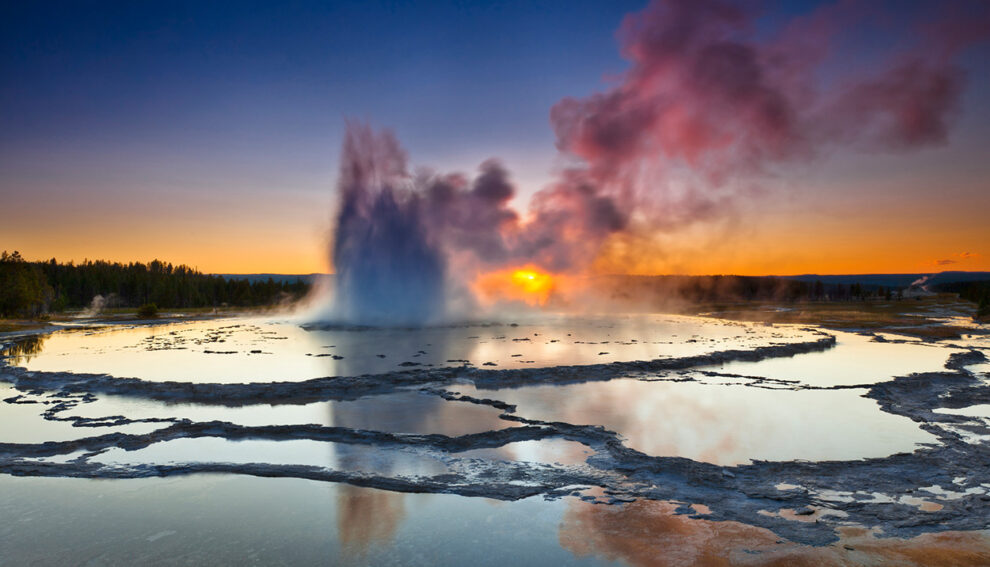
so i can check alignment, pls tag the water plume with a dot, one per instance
(387, 269)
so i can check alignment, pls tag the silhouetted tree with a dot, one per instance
(23, 289)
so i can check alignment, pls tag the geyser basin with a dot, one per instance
(246, 350)
(614, 409)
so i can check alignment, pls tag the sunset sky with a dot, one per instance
(206, 135)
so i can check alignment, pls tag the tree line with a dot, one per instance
(976, 291)
(32, 288)
(706, 289)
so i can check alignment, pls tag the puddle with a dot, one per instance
(550, 452)
(336, 456)
(978, 410)
(855, 359)
(724, 425)
(24, 423)
(402, 412)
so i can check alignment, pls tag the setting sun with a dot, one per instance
(527, 284)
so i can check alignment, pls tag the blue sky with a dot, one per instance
(113, 108)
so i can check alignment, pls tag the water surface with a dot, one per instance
(255, 350)
(722, 424)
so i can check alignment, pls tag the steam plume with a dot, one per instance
(96, 307)
(706, 110)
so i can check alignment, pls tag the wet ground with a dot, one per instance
(630, 439)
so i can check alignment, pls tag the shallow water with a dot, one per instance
(723, 425)
(656, 441)
(336, 456)
(978, 410)
(255, 350)
(715, 418)
(401, 412)
(856, 359)
(552, 451)
(24, 422)
(981, 369)
(235, 520)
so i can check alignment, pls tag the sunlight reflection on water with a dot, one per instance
(253, 350)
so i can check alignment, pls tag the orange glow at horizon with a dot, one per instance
(827, 236)
(946, 235)
(528, 284)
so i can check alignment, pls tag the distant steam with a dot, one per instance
(706, 110)
(96, 306)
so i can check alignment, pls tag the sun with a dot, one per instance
(528, 284)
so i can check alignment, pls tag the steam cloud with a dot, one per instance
(706, 109)
(96, 307)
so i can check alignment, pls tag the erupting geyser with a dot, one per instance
(388, 271)
(416, 250)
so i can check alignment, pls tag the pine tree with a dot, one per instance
(983, 309)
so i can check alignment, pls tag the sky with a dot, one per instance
(209, 134)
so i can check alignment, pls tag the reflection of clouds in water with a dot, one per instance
(724, 425)
(647, 533)
(671, 423)
(856, 359)
(545, 451)
(366, 517)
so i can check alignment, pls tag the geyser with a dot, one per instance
(388, 271)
